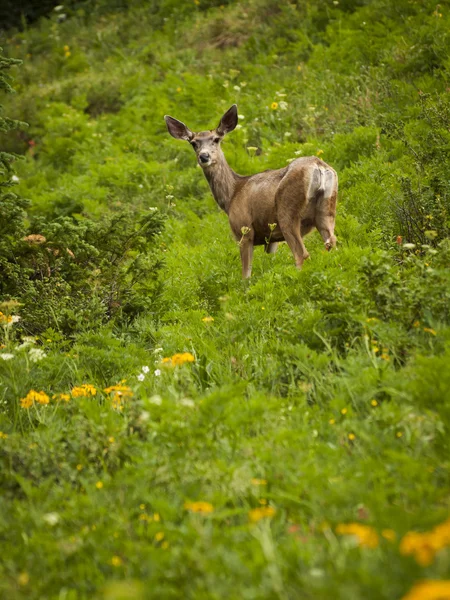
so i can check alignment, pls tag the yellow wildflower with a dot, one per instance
(32, 397)
(116, 561)
(26, 402)
(429, 590)
(259, 481)
(366, 536)
(3, 435)
(344, 411)
(424, 546)
(256, 514)
(83, 391)
(159, 536)
(332, 421)
(59, 397)
(416, 324)
(67, 54)
(23, 578)
(99, 485)
(120, 390)
(429, 330)
(119, 393)
(66, 48)
(208, 319)
(351, 436)
(165, 545)
(374, 402)
(116, 402)
(399, 434)
(79, 467)
(319, 152)
(178, 359)
(274, 105)
(142, 506)
(156, 517)
(199, 507)
(5, 319)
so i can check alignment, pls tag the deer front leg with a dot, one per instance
(246, 248)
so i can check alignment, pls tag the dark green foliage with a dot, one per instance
(73, 275)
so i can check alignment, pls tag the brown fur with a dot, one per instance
(296, 198)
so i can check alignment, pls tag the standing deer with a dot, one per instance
(268, 207)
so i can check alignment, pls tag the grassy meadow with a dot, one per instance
(168, 430)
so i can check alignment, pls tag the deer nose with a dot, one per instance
(204, 158)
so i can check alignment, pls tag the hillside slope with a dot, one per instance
(167, 429)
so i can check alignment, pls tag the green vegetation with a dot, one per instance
(297, 434)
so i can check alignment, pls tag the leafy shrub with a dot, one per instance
(73, 275)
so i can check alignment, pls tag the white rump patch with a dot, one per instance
(322, 183)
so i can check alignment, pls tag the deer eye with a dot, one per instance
(194, 145)
(216, 140)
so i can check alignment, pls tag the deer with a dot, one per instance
(269, 207)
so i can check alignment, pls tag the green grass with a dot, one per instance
(320, 396)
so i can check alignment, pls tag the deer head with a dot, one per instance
(206, 144)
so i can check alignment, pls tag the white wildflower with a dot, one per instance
(282, 105)
(156, 400)
(15, 318)
(36, 354)
(157, 372)
(187, 402)
(6, 356)
(144, 416)
(241, 117)
(15, 179)
(141, 376)
(27, 340)
(51, 518)
(145, 369)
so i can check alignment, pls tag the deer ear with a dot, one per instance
(229, 121)
(177, 129)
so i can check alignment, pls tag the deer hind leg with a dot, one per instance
(271, 248)
(289, 211)
(290, 228)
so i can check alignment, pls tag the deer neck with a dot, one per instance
(222, 181)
